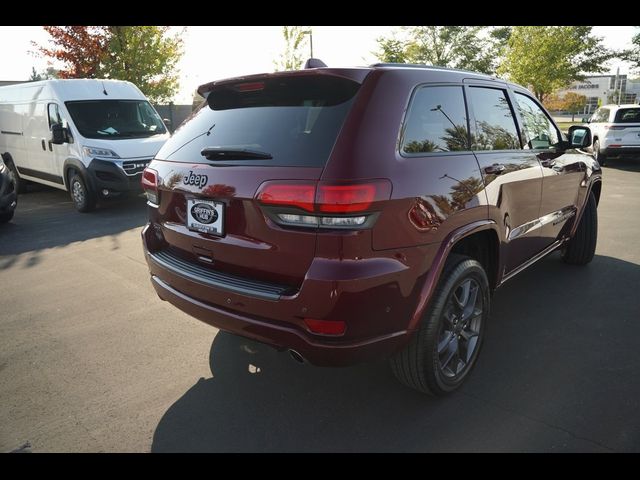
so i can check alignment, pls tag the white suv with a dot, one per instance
(615, 130)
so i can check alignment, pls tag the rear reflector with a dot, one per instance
(325, 327)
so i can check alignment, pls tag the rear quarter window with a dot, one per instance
(436, 122)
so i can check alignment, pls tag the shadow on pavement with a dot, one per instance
(46, 218)
(559, 371)
(624, 164)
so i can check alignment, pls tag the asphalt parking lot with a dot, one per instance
(92, 360)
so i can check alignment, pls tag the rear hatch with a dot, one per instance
(625, 130)
(277, 128)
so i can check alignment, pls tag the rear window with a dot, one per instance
(627, 115)
(294, 120)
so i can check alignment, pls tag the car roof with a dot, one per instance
(614, 106)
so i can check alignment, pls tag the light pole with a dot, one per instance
(310, 33)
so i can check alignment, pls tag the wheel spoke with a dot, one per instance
(461, 294)
(444, 343)
(470, 306)
(470, 347)
(468, 335)
(452, 351)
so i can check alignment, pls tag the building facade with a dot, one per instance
(604, 89)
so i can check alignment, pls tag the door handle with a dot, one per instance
(50, 146)
(495, 169)
(43, 147)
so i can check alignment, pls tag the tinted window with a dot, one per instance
(437, 121)
(538, 128)
(54, 114)
(601, 115)
(495, 128)
(628, 115)
(295, 120)
(115, 119)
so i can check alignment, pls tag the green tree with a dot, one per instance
(295, 39)
(35, 76)
(146, 56)
(547, 58)
(633, 54)
(466, 47)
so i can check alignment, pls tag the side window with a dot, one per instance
(538, 128)
(54, 114)
(602, 115)
(437, 121)
(495, 127)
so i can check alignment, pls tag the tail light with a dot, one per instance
(149, 184)
(325, 205)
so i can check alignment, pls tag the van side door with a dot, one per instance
(512, 176)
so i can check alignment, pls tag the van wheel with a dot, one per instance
(19, 184)
(444, 350)
(83, 198)
(582, 247)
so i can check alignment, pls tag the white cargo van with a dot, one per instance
(92, 138)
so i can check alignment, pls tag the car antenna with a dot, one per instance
(104, 89)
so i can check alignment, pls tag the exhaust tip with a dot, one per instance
(297, 357)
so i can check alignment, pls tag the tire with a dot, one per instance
(20, 184)
(582, 247)
(6, 217)
(83, 197)
(601, 158)
(422, 364)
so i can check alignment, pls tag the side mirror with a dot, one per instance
(579, 137)
(59, 134)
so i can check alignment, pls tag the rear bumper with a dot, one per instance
(622, 152)
(376, 307)
(262, 330)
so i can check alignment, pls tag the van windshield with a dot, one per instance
(115, 119)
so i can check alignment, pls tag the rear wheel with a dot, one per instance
(600, 157)
(444, 350)
(582, 247)
(83, 198)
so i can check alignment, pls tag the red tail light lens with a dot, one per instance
(334, 204)
(288, 193)
(149, 184)
(325, 327)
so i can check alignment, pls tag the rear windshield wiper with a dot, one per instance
(222, 153)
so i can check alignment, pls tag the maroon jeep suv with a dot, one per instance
(348, 214)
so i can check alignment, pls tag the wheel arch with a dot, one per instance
(73, 164)
(463, 240)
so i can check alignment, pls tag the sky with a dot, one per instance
(212, 53)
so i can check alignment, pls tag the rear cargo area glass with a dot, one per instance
(295, 120)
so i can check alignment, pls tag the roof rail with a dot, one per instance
(426, 67)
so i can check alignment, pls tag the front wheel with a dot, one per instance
(6, 217)
(582, 246)
(444, 350)
(83, 198)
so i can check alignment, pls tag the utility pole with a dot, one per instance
(310, 33)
